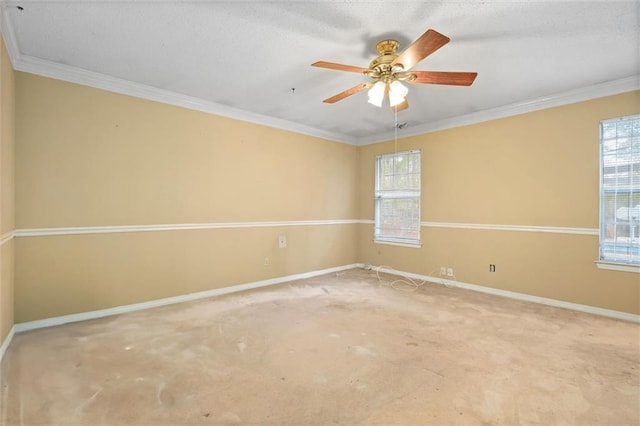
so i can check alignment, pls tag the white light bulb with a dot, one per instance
(376, 94)
(397, 92)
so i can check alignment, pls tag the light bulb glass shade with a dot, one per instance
(397, 92)
(376, 94)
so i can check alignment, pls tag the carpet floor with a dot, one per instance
(339, 349)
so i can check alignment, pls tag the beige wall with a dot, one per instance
(535, 169)
(78, 273)
(6, 191)
(86, 157)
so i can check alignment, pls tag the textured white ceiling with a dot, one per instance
(249, 55)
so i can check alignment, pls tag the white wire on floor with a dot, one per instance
(404, 283)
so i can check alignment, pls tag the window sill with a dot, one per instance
(392, 243)
(613, 266)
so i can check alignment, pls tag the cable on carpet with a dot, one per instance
(405, 283)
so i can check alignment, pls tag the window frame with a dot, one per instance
(381, 195)
(612, 262)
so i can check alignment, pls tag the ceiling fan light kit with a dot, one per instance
(376, 94)
(388, 69)
(397, 93)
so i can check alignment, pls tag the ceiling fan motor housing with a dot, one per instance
(380, 67)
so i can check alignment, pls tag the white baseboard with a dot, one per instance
(6, 342)
(83, 316)
(625, 316)
(49, 322)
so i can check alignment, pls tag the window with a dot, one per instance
(620, 190)
(397, 198)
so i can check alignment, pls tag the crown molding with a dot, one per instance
(37, 66)
(101, 81)
(71, 74)
(96, 80)
(9, 36)
(599, 90)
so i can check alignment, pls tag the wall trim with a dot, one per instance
(7, 342)
(519, 228)
(393, 243)
(600, 90)
(616, 266)
(625, 316)
(76, 75)
(50, 322)
(65, 319)
(498, 227)
(96, 80)
(6, 237)
(6, 27)
(43, 232)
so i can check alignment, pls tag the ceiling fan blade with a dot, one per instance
(340, 96)
(339, 67)
(401, 106)
(443, 77)
(424, 46)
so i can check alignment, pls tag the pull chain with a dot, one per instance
(395, 130)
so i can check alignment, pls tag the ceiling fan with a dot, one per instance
(389, 69)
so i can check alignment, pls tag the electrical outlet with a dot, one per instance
(282, 241)
(443, 270)
(449, 272)
(492, 268)
(266, 261)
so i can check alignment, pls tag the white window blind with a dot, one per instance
(620, 190)
(397, 198)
